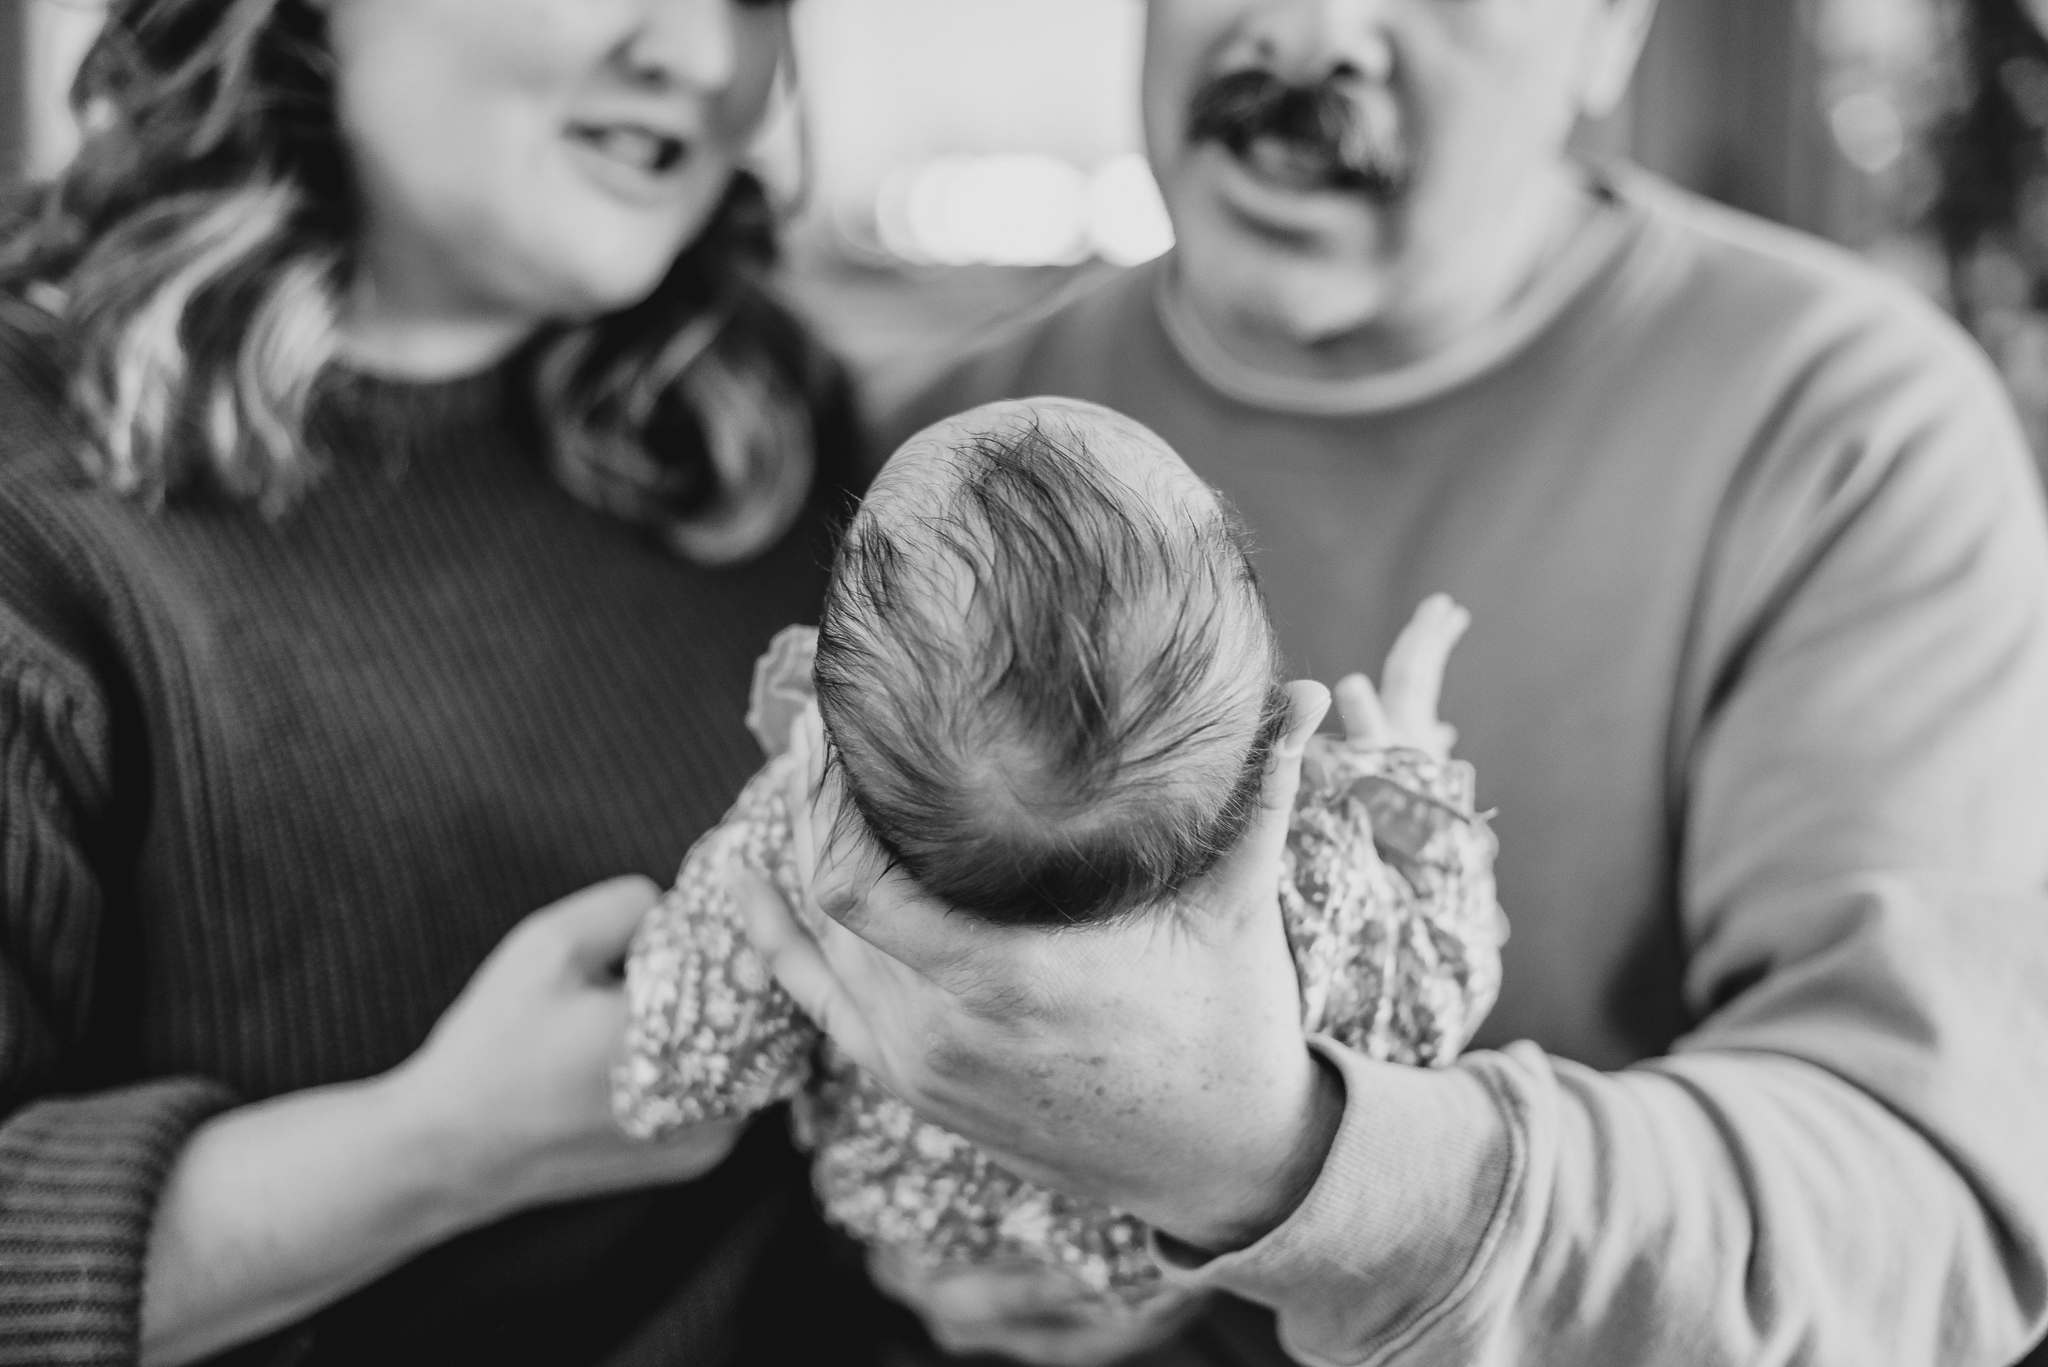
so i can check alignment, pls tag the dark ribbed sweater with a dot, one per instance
(269, 792)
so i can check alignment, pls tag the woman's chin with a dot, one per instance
(598, 287)
(614, 295)
(610, 271)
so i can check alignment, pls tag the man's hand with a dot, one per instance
(1156, 1063)
(1027, 1313)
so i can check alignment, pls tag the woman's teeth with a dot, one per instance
(643, 149)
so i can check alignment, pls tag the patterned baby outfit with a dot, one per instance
(1386, 890)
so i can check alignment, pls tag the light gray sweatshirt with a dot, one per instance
(1759, 686)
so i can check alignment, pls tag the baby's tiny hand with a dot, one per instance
(1403, 710)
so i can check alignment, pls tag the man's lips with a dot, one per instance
(1282, 171)
(1284, 207)
(1291, 166)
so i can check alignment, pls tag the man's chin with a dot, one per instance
(1301, 290)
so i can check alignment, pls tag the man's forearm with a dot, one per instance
(1726, 1204)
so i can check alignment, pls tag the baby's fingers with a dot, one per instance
(1413, 682)
(1358, 705)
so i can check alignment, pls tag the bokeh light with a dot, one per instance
(1021, 209)
(1870, 131)
(1126, 217)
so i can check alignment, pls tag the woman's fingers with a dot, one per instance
(1413, 682)
(982, 1293)
(1026, 1313)
(695, 1149)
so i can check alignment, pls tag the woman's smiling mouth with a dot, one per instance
(632, 161)
(645, 149)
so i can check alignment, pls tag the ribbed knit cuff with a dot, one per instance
(1407, 1205)
(79, 1182)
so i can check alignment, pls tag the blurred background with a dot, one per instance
(959, 159)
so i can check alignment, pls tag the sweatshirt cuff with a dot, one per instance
(79, 1183)
(1397, 1227)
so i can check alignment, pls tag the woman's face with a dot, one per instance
(535, 160)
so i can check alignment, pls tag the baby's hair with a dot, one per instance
(1051, 696)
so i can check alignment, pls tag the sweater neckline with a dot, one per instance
(401, 425)
(389, 403)
(1594, 246)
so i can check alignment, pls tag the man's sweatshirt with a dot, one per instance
(1758, 684)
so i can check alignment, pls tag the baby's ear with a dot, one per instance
(782, 687)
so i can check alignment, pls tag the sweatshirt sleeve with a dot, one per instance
(80, 1171)
(1846, 1160)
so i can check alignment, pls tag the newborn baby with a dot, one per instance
(1050, 689)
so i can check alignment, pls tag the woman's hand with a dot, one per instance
(516, 1076)
(1029, 1314)
(1156, 1063)
(274, 1210)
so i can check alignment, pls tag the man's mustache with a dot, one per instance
(1335, 134)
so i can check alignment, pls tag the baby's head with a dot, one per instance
(1045, 666)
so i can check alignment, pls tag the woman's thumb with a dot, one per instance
(597, 924)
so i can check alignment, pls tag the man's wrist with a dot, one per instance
(1270, 1197)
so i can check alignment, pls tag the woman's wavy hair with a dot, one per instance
(198, 247)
